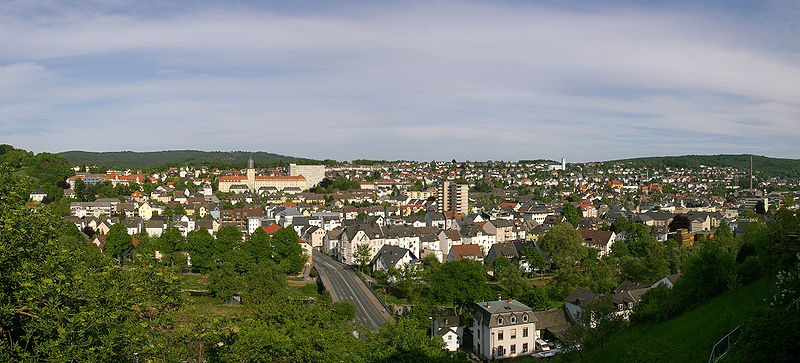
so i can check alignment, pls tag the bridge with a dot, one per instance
(344, 284)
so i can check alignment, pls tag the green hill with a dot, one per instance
(687, 338)
(762, 165)
(131, 159)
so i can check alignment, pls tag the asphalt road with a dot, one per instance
(344, 284)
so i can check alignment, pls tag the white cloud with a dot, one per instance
(437, 80)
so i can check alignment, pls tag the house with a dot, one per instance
(507, 250)
(579, 301)
(470, 252)
(100, 241)
(599, 240)
(501, 228)
(668, 280)
(391, 257)
(551, 324)
(447, 239)
(38, 195)
(503, 329)
(154, 227)
(133, 225)
(449, 331)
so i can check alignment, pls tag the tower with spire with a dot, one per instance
(251, 175)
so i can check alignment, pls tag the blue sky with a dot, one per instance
(476, 80)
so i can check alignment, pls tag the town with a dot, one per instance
(505, 259)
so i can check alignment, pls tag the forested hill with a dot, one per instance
(131, 159)
(762, 165)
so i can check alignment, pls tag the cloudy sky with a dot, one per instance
(475, 80)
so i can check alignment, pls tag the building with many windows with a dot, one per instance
(313, 173)
(253, 182)
(453, 197)
(503, 329)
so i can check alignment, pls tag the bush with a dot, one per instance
(750, 270)
(313, 273)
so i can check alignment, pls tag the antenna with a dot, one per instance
(751, 171)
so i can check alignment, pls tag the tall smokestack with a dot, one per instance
(563, 163)
(751, 171)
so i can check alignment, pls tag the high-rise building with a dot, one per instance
(453, 197)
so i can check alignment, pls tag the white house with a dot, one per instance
(503, 329)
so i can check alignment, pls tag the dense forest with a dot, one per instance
(762, 165)
(130, 159)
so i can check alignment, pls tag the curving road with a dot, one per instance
(344, 284)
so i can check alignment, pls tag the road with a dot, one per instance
(344, 284)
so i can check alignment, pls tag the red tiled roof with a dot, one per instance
(272, 228)
(471, 250)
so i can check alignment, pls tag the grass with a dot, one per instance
(303, 291)
(687, 338)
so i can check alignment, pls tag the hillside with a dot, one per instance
(762, 165)
(131, 159)
(687, 338)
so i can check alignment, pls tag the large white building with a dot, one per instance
(253, 182)
(313, 173)
(503, 329)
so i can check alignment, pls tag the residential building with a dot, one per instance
(503, 329)
(453, 197)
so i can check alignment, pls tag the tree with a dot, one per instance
(118, 241)
(510, 276)
(458, 283)
(263, 281)
(534, 258)
(404, 341)
(287, 251)
(362, 255)
(200, 245)
(228, 237)
(572, 213)
(680, 222)
(564, 244)
(62, 301)
(258, 245)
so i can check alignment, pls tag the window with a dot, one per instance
(513, 333)
(513, 348)
(513, 319)
(500, 321)
(499, 335)
(525, 318)
(524, 347)
(479, 333)
(500, 350)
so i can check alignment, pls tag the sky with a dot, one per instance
(416, 80)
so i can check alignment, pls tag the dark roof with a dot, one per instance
(391, 255)
(555, 319)
(582, 298)
(596, 237)
(506, 250)
(489, 312)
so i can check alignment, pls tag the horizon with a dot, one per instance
(419, 80)
(435, 160)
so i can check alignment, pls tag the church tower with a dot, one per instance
(251, 175)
